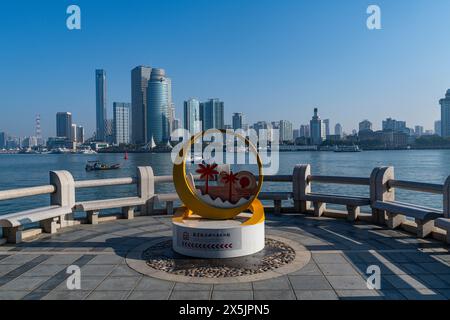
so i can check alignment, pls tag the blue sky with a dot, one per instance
(270, 59)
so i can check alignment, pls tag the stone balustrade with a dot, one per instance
(299, 198)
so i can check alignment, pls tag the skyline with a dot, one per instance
(311, 56)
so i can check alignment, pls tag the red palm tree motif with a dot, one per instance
(231, 179)
(207, 171)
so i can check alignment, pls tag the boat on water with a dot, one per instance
(353, 148)
(98, 166)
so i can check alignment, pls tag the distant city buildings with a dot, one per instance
(212, 114)
(326, 124)
(64, 125)
(286, 133)
(192, 122)
(317, 129)
(100, 96)
(305, 131)
(238, 121)
(3, 139)
(121, 122)
(338, 130)
(394, 125)
(140, 77)
(158, 104)
(445, 115)
(438, 128)
(365, 125)
(80, 134)
(419, 131)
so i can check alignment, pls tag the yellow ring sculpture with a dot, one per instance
(193, 204)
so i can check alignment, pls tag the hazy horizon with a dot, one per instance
(271, 60)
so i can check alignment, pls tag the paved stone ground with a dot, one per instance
(341, 252)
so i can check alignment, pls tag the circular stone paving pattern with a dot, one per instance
(157, 259)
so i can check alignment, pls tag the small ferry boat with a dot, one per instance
(98, 166)
(352, 148)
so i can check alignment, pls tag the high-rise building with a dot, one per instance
(100, 93)
(338, 130)
(139, 83)
(176, 124)
(395, 125)
(212, 114)
(73, 133)
(445, 115)
(317, 129)
(326, 123)
(238, 121)
(418, 131)
(109, 131)
(192, 122)
(437, 127)
(365, 125)
(305, 131)
(80, 134)
(64, 125)
(286, 133)
(296, 133)
(121, 122)
(158, 104)
(3, 139)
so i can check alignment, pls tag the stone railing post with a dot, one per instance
(301, 187)
(446, 206)
(380, 191)
(64, 196)
(146, 188)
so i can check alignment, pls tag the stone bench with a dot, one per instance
(353, 204)
(398, 211)
(444, 224)
(277, 198)
(48, 217)
(92, 208)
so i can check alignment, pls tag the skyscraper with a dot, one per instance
(100, 93)
(445, 115)
(121, 122)
(338, 129)
(286, 133)
(212, 114)
(305, 131)
(139, 83)
(394, 125)
(317, 129)
(365, 125)
(238, 121)
(192, 122)
(158, 107)
(80, 134)
(64, 125)
(2, 140)
(326, 123)
(73, 133)
(418, 131)
(437, 127)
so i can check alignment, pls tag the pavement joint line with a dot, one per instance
(14, 274)
(134, 287)
(47, 286)
(98, 285)
(340, 235)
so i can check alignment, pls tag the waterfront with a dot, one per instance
(432, 166)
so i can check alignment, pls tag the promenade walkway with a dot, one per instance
(411, 268)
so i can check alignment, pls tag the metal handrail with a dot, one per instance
(417, 186)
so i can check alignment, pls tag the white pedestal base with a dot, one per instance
(201, 238)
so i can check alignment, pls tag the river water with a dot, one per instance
(431, 166)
